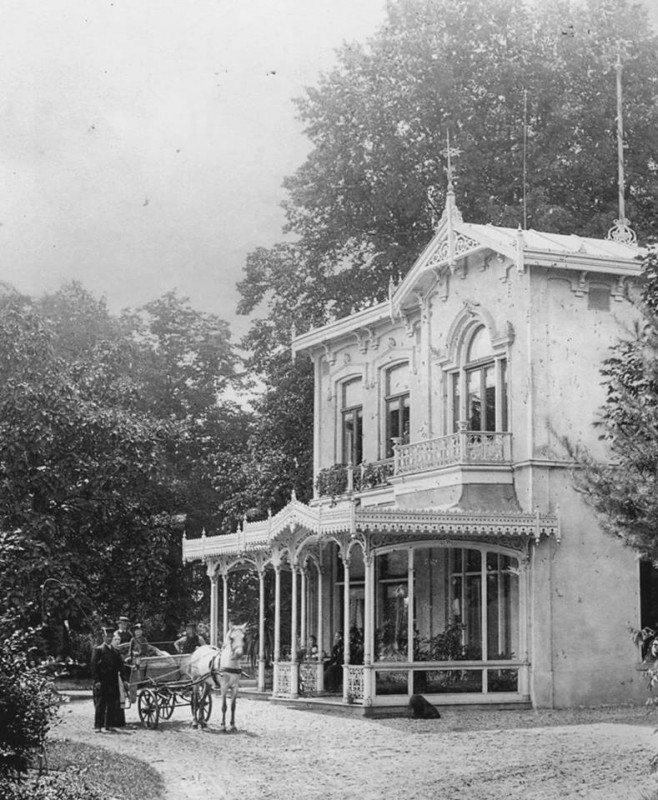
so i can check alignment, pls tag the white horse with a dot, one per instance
(221, 668)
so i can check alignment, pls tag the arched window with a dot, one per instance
(352, 422)
(396, 401)
(479, 387)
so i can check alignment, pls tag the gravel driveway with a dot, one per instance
(293, 755)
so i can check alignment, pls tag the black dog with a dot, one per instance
(422, 709)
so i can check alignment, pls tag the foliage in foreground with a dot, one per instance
(28, 706)
(83, 772)
(624, 489)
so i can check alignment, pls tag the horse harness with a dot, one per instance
(218, 672)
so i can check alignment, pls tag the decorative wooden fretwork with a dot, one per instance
(355, 683)
(282, 686)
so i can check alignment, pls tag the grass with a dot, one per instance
(114, 776)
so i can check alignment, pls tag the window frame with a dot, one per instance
(389, 399)
(351, 455)
(458, 416)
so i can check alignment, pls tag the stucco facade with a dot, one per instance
(446, 540)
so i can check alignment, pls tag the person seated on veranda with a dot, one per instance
(189, 642)
(312, 652)
(333, 674)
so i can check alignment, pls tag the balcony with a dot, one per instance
(464, 448)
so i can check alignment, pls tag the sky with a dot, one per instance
(143, 143)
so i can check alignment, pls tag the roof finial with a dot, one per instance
(621, 231)
(448, 153)
(451, 213)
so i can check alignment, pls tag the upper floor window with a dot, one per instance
(479, 388)
(397, 407)
(352, 422)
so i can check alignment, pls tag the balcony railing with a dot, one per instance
(463, 447)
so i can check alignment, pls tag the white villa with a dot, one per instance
(445, 540)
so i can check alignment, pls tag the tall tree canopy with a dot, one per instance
(364, 203)
(361, 206)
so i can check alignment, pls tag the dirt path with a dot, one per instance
(285, 754)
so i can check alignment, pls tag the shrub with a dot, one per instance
(27, 707)
(50, 787)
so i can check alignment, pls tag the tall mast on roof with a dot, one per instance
(621, 231)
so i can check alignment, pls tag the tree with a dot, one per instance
(79, 465)
(624, 489)
(112, 431)
(184, 364)
(365, 202)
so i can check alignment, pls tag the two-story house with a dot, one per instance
(446, 543)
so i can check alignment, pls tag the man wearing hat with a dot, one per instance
(139, 647)
(190, 641)
(123, 631)
(106, 666)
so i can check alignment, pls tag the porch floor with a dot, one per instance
(333, 704)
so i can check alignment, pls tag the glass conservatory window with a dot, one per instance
(465, 607)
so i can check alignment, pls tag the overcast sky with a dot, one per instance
(143, 142)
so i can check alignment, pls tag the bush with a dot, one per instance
(28, 704)
(50, 787)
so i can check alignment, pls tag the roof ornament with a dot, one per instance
(391, 292)
(621, 231)
(451, 214)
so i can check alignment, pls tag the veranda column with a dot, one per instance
(303, 632)
(346, 630)
(410, 615)
(368, 628)
(214, 610)
(261, 629)
(294, 623)
(225, 603)
(320, 632)
(277, 612)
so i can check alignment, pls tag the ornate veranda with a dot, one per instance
(334, 552)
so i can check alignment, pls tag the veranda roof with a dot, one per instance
(301, 522)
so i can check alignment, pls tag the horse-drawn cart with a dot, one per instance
(161, 683)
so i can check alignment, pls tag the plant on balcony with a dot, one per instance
(332, 481)
(371, 475)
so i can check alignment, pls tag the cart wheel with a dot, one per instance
(167, 702)
(201, 703)
(148, 708)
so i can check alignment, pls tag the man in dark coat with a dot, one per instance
(106, 666)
